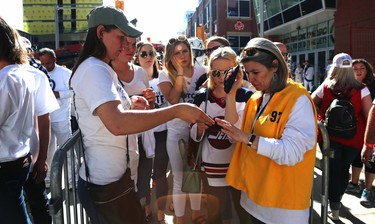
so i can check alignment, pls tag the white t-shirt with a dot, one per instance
(320, 91)
(138, 83)
(177, 125)
(95, 83)
(60, 83)
(160, 101)
(17, 92)
(136, 87)
(45, 102)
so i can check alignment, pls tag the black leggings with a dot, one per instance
(358, 163)
(159, 175)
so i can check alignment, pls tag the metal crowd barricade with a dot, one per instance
(323, 164)
(64, 205)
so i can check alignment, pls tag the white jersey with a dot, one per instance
(217, 150)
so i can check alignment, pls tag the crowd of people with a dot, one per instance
(258, 135)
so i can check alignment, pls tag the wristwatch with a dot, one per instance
(251, 140)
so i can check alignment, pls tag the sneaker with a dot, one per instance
(353, 188)
(334, 214)
(367, 197)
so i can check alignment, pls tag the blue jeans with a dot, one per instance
(12, 202)
(38, 201)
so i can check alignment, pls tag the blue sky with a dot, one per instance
(158, 19)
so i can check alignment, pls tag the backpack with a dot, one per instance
(340, 118)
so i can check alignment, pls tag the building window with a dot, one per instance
(207, 9)
(214, 10)
(285, 4)
(238, 8)
(272, 8)
(238, 42)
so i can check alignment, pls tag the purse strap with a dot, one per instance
(198, 159)
(87, 171)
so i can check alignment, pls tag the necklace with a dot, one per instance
(122, 84)
(188, 80)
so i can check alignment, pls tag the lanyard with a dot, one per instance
(260, 111)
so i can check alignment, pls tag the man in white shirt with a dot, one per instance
(308, 76)
(60, 119)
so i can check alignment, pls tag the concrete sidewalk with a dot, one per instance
(351, 211)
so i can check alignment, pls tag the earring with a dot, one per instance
(274, 77)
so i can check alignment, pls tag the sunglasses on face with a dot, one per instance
(217, 73)
(210, 50)
(144, 54)
(176, 40)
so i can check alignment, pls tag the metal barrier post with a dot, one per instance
(327, 154)
(58, 195)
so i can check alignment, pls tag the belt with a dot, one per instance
(16, 164)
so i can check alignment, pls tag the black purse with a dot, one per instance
(110, 200)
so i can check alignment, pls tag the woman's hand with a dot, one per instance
(366, 155)
(139, 103)
(192, 114)
(177, 66)
(201, 128)
(150, 96)
(232, 132)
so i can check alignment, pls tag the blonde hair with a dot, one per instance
(341, 79)
(226, 53)
(169, 53)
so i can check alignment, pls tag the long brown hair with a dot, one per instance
(169, 53)
(11, 47)
(93, 47)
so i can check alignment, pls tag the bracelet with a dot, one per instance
(251, 140)
(369, 145)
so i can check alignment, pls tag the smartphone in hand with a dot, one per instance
(228, 81)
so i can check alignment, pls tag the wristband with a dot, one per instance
(369, 145)
(251, 140)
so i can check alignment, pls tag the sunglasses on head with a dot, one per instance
(217, 73)
(176, 40)
(250, 52)
(210, 50)
(144, 54)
